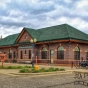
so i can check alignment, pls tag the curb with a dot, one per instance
(43, 73)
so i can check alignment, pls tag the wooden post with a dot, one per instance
(36, 60)
(2, 63)
(2, 58)
(36, 66)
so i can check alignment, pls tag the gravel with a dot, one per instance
(49, 81)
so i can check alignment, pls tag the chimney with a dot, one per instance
(1, 37)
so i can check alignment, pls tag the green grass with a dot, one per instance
(33, 70)
(24, 70)
(15, 67)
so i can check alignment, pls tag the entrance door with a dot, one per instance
(29, 54)
(51, 56)
(21, 54)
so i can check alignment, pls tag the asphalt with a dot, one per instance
(14, 72)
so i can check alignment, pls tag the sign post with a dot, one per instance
(2, 58)
(36, 66)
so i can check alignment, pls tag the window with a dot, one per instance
(14, 54)
(60, 53)
(29, 54)
(10, 54)
(87, 54)
(76, 53)
(4, 52)
(21, 54)
(25, 52)
(25, 37)
(44, 53)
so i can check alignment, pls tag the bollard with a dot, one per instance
(36, 67)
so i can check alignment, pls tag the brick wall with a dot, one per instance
(68, 52)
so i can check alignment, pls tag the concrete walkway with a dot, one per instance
(16, 71)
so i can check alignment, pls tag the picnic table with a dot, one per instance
(81, 77)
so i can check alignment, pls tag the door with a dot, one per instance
(51, 56)
(29, 54)
(21, 54)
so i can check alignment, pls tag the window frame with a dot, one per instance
(76, 53)
(60, 53)
(44, 53)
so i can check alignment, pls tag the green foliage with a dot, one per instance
(42, 70)
(56, 69)
(27, 67)
(51, 69)
(0, 67)
(18, 67)
(61, 69)
(8, 67)
(33, 70)
(15, 67)
(24, 70)
(46, 70)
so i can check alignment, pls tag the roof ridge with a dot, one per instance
(78, 30)
(67, 30)
(51, 26)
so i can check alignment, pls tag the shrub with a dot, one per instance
(42, 70)
(0, 67)
(51, 69)
(27, 67)
(62, 69)
(33, 70)
(24, 70)
(18, 67)
(46, 70)
(56, 69)
(8, 67)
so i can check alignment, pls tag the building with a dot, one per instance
(59, 44)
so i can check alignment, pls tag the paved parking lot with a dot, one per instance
(50, 81)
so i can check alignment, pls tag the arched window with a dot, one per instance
(87, 54)
(14, 54)
(44, 53)
(60, 53)
(10, 54)
(76, 53)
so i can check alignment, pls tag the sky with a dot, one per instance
(17, 14)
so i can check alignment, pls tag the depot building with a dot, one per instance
(60, 44)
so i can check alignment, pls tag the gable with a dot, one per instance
(24, 36)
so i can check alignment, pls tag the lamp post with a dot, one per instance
(33, 41)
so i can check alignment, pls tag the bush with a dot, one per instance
(15, 67)
(56, 69)
(51, 69)
(18, 67)
(33, 70)
(62, 69)
(24, 70)
(47, 70)
(27, 67)
(8, 67)
(42, 70)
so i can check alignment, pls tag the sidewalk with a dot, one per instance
(16, 71)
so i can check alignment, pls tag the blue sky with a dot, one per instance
(16, 14)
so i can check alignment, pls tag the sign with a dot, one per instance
(2, 58)
(25, 47)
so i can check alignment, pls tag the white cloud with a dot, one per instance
(16, 14)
